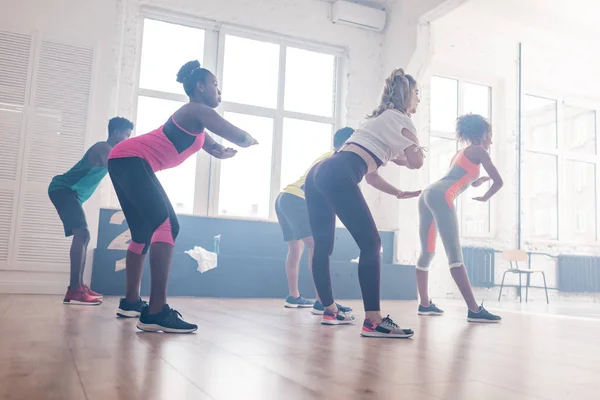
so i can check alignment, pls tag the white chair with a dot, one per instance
(514, 257)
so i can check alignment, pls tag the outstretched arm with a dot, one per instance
(497, 183)
(216, 150)
(379, 183)
(218, 125)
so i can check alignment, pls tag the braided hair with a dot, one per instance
(396, 93)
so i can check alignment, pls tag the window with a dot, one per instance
(160, 95)
(451, 98)
(246, 179)
(284, 94)
(288, 99)
(560, 164)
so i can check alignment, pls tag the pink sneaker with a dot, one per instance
(92, 293)
(80, 297)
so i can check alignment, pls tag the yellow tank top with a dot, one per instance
(297, 188)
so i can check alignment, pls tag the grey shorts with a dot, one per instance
(292, 215)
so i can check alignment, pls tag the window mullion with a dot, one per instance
(278, 131)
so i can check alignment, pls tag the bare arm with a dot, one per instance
(217, 124)
(98, 155)
(216, 150)
(485, 160)
(377, 181)
(414, 154)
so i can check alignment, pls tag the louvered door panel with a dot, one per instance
(56, 130)
(11, 119)
(42, 236)
(14, 67)
(15, 55)
(7, 199)
(56, 138)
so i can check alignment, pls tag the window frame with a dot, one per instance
(563, 156)
(458, 204)
(206, 194)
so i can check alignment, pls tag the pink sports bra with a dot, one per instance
(163, 148)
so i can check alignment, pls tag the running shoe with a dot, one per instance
(80, 297)
(168, 321)
(92, 293)
(483, 316)
(338, 318)
(297, 302)
(129, 309)
(386, 329)
(431, 309)
(318, 308)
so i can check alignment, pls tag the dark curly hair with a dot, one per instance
(472, 128)
(190, 74)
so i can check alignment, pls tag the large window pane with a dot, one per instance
(250, 72)
(245, 182)
(579, 216)
(441, 151)
(303, 143)
(539, 123)
(476, 99)
(309, 82)
(444, 104)
(475, 215)
(540, 202)
(579, 134)
(178, 182)
(165, 48)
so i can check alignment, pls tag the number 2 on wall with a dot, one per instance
(121, 242)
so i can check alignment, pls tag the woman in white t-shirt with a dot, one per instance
(332, 189)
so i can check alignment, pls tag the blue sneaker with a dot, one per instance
(299, 302)
(432, 309)
(483, 315)
(318, 308)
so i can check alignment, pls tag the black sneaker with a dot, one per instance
(129, 309)
(168, 321)
(483, 315)
(432, 309)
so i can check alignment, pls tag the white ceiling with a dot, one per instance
(572, 16)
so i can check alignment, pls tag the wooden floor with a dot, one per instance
(256, 349)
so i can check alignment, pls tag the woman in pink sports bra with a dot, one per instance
(437, 214)
(152, 221)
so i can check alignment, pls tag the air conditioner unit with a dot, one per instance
(348, 13)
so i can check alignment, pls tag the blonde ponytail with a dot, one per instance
(396, 93)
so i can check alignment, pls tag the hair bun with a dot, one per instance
(187, 70)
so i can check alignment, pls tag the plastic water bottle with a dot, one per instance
(216, 243)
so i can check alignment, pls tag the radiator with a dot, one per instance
(578, 274)
(480, 263)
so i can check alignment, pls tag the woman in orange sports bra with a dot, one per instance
(437, 214)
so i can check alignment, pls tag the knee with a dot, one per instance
(424, 261)
(82, 235)
(175, 227)
(372, 245)
(309, 242)
(323, 247)
(295, 248)
(167, 232)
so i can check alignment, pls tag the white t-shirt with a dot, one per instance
(383, 136)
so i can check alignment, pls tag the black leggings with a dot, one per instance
(147, 208)
(332, 188)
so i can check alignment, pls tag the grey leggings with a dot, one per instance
(437, 211)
